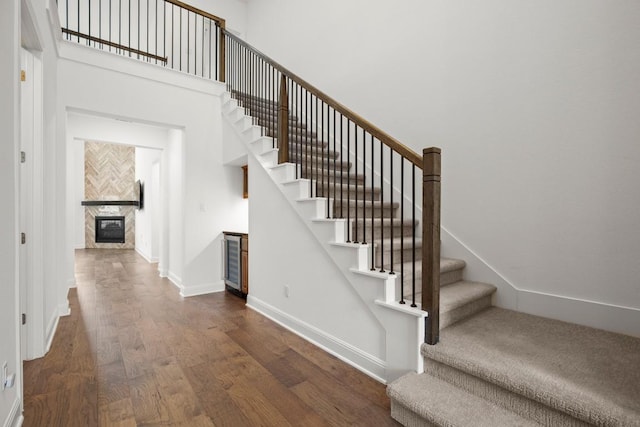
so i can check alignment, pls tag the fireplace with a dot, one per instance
(109, 229)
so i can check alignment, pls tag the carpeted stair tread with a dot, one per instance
(463, 292)
(446, 264)
(442, 404)
(397, 244)
(590, 374)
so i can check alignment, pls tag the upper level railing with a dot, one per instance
(165, 32)
(380, 186)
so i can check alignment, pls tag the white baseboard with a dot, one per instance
(162, 272)
(64, 309)
(205, 288)
(14, 419)
(364, 362)
(175, 279)
(148, 258)
(52, 327)
(624, 320)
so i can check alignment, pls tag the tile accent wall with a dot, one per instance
(109, 174)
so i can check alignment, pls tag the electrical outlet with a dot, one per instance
(286, 291)
(5, 371)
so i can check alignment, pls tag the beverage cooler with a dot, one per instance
(235, 260)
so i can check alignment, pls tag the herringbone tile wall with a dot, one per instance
(109, 171)
(109, 174)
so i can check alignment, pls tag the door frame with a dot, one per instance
(31, 207)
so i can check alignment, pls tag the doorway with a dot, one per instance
(31, 207)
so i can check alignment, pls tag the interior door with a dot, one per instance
(25, 175)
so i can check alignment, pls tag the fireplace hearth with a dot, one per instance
(110, 229)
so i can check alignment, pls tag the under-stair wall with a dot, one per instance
(295, 282)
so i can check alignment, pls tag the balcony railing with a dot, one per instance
(165, 32)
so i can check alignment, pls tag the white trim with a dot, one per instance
(173, 278)
(64, 309)
(205, 288)
(162, 272)
(364, 362)
(143, 255)
(624, 320)
(52, 327)
(54, 24)
(14, 419)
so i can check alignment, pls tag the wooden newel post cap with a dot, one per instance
(431, 164)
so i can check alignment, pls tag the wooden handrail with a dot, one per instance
(190, 8)
(396, 145)
(112, 44)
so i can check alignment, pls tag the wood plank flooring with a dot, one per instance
(134, 353)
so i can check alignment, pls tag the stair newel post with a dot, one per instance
(431, 242)
(283, 122)
(223, 53)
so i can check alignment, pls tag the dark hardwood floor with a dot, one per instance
(134, 353)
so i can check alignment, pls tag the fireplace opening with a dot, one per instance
(109, 229)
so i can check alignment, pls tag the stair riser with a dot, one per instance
(397, 253)
(297, 145)
(250, 100)
(296, 131)
(358, 233)
(450, 277)
(267, 114)
(341, 210)
(467, 310)
(323, 176)
(445, 278)
(523, 406)
(312, 153)
(301, 145)
(308, 162)
(268, 110)
(346, 191)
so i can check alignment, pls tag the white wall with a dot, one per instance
(191, 107)
(534, 106)
(284, 253)
(9, 125)
(146, 158)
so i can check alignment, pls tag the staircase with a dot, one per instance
(505, 368)
(374, 228)
(492, 367)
